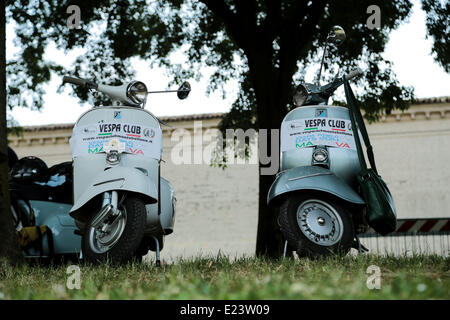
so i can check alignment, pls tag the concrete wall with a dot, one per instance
(217, 209)
(412, 156)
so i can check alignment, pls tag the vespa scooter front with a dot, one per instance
(119, 206)
(316, 188)
(316, 185)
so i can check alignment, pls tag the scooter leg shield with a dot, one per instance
(119, 179)
(311, 178)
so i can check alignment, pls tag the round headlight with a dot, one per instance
(320, 155)
(300, 95)
(137, 92)
(113, 157)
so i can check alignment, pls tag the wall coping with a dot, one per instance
(425, 108)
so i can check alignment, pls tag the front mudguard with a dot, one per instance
(311, 178)
(118, 179)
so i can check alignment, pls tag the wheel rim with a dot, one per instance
(106, 235)
(320, 222)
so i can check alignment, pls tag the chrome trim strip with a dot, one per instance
(310, 175)
(109, 181)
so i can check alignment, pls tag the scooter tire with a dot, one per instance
(304, 246)
(124, 250)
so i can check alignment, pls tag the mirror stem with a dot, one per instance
(321, 64)
(168, 91)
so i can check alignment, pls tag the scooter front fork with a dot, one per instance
(110, 198)
(109, 208)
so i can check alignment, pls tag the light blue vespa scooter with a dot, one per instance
(320, 210)
(64, 242)
(42, 197)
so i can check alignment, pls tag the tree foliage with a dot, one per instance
(219, 34)
(438, 28)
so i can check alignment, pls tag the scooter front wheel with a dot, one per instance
(315, 225)
(116, 238)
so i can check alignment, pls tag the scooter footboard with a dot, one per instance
(311, 178)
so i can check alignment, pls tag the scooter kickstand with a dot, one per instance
(285, 249)
(158, 258)
(361, 249)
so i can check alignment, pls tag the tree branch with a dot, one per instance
(235, 24)
(272, 24)
(246, 12)
(296, 35)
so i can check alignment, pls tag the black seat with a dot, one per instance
(28, 178)
(60, 177)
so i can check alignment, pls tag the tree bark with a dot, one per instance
(272, 89)
(9, 246)
(269, 240)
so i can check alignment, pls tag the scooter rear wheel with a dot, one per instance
(315, 225)
(116, 241)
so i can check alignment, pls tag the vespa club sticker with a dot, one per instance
(149, 133)
(297, 134)
(138, 139)
(321, 113)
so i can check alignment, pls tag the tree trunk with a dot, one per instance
(269, 240)
(272, 91)
(9, 247)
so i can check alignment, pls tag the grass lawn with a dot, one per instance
(417, 277)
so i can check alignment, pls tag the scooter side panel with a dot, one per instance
(167, 218)
(118, 178)
(56, 216)
(311, 178)
(167, 206)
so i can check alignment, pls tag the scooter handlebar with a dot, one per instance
(79, 82)
(354, 73)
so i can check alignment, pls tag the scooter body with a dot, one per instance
(316, 189)
(56, 217)
(40, 202)
(138, 171)
(303, 130)
(122, 205)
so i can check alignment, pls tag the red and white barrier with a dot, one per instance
(434, 226)
(423, 225)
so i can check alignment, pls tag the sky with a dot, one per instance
(408, 49)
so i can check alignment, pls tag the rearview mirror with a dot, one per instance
(183, 90)
(336, 35)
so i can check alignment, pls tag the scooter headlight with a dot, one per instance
(113, 149)
(113, 157)
(320, 155)
(300, 95)
(137, 92)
